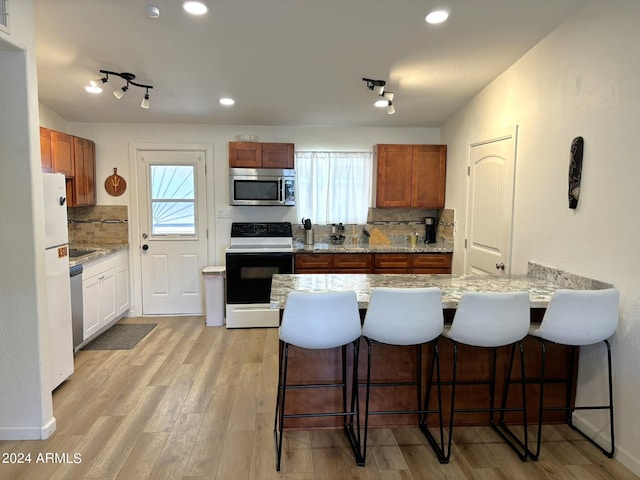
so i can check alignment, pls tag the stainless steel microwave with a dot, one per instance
(261, 186)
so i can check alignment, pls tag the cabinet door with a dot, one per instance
(62, 152)
(108, 309)
(46, 155)
(245, 155)
(277, 155)
(429, 163)
(432, 263)
(393, 177)
(122, 288)
(313, 261)
(90, 306)
(353, 262)
(392, 263)
(84, 192)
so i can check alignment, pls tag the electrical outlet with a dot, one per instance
(224, 213)
(455, 226)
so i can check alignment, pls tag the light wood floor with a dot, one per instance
(191, 402)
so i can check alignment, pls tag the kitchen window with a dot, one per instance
(172, 199)
(333, 187)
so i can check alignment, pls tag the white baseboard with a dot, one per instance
(621, 455)
(29, 432)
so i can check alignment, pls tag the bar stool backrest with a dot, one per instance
(580, 317)
(491, 319)
(320, 320)
(404, 316)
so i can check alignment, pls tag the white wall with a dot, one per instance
(25, 397)
(113, 143)
(580, 80)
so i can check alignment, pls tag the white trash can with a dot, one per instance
(214, 295)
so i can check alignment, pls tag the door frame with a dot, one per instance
(134, 214)
(489, 137)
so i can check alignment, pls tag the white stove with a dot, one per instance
(257, 251)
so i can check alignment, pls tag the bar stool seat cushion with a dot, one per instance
(422, 318)
(579, 317)
(318, 320)
(490, 319)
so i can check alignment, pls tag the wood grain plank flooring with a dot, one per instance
(191, 402)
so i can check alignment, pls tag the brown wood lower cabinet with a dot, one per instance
(396, 263)
(392, 363)
(393, 263)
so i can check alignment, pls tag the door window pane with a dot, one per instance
(172, 199)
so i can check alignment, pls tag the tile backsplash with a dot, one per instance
(98, 224)
(395, 223)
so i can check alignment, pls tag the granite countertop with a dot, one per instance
(441, 246)
(97, 251)
(453, 286)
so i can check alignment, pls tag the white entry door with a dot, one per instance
(173, 230)
(490, 194)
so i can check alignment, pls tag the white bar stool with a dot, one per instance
(403, 317)
(577, 318)
(320, 321)
(490, 320)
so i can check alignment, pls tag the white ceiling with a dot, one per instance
(285, 62)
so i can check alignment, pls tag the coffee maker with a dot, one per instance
(430, 229)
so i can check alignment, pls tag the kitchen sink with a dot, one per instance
(79, 252)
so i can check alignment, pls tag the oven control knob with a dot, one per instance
(145, 247)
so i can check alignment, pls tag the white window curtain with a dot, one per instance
(333, 187)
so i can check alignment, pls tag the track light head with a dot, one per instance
(95, 86)
(145, 101)
(390, 109)
(120, 93)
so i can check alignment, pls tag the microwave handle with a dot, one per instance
(282, 184)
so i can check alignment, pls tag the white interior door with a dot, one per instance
(490, 196)
(173, 231)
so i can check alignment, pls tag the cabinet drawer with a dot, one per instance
(352, 261)
(313, 260)
(393, 260)
(431, 260)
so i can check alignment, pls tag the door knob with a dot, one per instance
(145, 247)
(500, 266)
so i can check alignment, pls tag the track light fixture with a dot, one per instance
(95, 86)
(385, 98)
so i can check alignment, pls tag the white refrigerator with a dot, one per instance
(58, 286)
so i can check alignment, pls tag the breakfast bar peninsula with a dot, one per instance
(395, 363)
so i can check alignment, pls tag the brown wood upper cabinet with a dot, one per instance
(410, 175)
(260, 155)
(62, 153)
(76, 158)
(46, 155)
(83, 187)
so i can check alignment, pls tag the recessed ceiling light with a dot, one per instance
(195, 8)
(437, 16)
(227, 101)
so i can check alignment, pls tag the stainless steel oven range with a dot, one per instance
(256, 252)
